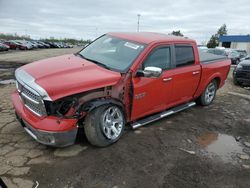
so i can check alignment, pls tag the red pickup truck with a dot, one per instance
(119, 79)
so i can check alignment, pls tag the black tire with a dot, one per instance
(236, 82)
(237, 62)
(94, 127)
(203, 100)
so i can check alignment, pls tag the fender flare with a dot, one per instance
(93, 104)
(212, 77)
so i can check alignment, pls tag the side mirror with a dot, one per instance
(149, 72)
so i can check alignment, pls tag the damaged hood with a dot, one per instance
(69, 74)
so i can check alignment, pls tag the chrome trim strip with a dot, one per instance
(192, 104)
(30, 133)
(161, 115)
(167, 114)
(137, 125)
(17, 87)
(27, 80)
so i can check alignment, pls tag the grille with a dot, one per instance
(243, 74)
(246, 67)
(31, 99)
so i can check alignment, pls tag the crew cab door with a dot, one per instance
(186, 74)
(151, 94)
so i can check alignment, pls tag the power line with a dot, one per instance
(138, 22)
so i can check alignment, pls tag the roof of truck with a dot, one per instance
(148, 37)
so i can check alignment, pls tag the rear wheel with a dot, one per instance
(104, 125)
(208, 95)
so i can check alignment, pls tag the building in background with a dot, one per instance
(239, 42)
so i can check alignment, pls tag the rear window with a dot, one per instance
(219, 52)
(184, 56)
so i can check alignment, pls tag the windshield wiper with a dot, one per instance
(94, 61)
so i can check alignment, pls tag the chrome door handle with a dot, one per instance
(196, 72)
(167, 79)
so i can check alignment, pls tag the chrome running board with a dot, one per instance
(161, 115)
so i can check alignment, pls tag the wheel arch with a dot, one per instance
(93, 104)
(217, 77)
(218, 81)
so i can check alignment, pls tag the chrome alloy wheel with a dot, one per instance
(210, 92)
(112, 122)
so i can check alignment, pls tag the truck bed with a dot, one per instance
(212, 66)
(209, 58)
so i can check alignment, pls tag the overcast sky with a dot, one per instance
(88, 19)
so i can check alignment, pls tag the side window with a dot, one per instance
(184, 55)
(159, 58)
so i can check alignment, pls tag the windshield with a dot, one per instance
(247, 57)
(235, 54)
(113, 53)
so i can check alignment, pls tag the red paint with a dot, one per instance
(49, 123)
(67, 75)
(12, 45)
(183, 87)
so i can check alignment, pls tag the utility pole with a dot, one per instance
(96, 32)
(138, 22)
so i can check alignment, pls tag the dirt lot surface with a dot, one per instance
(22, 57)
(10, 60)
(199, 147)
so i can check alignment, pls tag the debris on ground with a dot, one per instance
(247, 144)
(187, 151)
(162, 129)
(246, 166)
(238, 138)
(137, 132)
(244, 157)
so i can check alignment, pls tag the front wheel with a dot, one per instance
(208, 95)
(104, 125)
(236, 82)
(237, 62)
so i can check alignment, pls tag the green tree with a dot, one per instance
(177, 33)
(214, 40)
(222, 30)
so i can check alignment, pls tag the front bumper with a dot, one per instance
(242, 76)
(49, 130)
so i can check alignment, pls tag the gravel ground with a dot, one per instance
(199, 147)
(10, 60)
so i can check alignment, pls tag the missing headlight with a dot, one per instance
(64, 107)
(60, 107)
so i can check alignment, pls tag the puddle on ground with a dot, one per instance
(5, 82)
(221, 145)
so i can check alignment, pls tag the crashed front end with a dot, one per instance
(31, 104)
(56, 123)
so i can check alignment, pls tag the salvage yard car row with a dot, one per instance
(235, 55)
(241, 73)
(29, 45)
